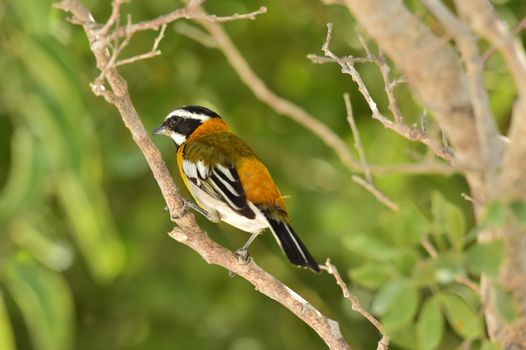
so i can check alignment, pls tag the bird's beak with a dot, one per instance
(162, 130)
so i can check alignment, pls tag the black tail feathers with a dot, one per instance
(291, 245)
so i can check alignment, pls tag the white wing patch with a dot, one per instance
(202, 169)
(190, 169)
(226, 171)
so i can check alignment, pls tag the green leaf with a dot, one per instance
(439, 212)
(448, 219)
(404, 337)
(467, 294)
(495, 215)
(518, 208)
(456, 226)
(402, 309)
(386, 296)
(504, 304)
(430, 325)
(7, 339)
(424, 272)
(371, 247)
(407, 227)
(45, 301)
(371, 275)
(447, 269)
(462, 318)
(485, 257)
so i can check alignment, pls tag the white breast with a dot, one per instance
(227, 214)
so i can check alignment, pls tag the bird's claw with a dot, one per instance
(242, 256)
(181, 212)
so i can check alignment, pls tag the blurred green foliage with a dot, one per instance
(84, 259)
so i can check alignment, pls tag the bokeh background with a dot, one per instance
(85, 261)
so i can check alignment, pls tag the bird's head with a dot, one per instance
(182, 122)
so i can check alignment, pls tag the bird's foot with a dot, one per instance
(181, 212)
(210, 215)
(242, 255)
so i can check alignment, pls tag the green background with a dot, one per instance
(85, 261)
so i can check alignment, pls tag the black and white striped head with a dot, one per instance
(182, 122)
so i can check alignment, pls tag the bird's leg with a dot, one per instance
(242, 253)
(211, 215)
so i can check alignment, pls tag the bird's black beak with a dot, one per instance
(162, 130)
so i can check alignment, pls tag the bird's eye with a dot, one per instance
(173, 122)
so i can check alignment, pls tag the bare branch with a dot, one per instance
(383, 344)
(410, 133)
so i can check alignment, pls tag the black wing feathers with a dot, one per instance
(221, 182)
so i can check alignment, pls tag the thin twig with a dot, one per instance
(430, 249)
(357, 141)
(196, 34)
(382, 198)
(152, 53)
(383, 344)
(389, 88)
(368, 182)
(467, 197)
(114, 16)
(468, 283)
(251, 16)
(514, 31)
(191, 11)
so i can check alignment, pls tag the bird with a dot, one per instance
(228, 181)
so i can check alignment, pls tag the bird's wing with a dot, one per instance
(221, 181)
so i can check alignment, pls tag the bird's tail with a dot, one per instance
(290, 243)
